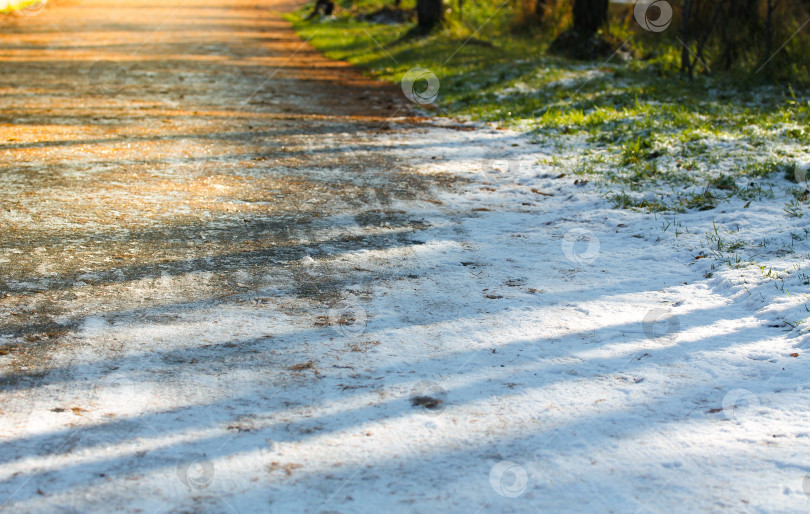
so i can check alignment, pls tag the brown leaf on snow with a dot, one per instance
(303, 366)
(364, 346)
(288, 468)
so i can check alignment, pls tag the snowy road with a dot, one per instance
(227, 287)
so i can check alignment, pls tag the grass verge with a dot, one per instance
(630, 123)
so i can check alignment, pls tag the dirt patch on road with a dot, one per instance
(160, 154)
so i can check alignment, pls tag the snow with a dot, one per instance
(579, 358)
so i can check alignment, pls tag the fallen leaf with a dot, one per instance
(273, 466)
(303, 366)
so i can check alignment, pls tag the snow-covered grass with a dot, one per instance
(648, 141)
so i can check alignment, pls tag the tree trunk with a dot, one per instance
(327, 7)
(589, 15)
(686, 33)
(740, 29)
(429, 14)
(540, 9)
(769, 28)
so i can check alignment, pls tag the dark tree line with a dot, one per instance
(710, 33)
(725, 33)
(429, 14)
(589, 15)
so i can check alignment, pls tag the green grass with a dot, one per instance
(508, 77)
(641, 125)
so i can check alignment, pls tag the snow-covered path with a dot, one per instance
(433, 335)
